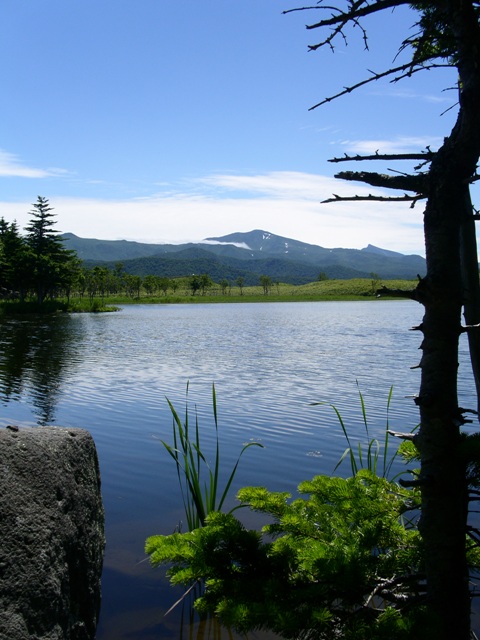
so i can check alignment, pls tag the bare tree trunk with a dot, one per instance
(451, 34)
(443, 482)
(471, 288)
(443, 473)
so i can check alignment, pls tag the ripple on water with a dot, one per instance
(111, 374)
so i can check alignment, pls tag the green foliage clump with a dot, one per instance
(344, 560)
(339, 562)
(36, 266)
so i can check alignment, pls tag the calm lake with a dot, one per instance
(111, 374)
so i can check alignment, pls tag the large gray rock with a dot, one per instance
(51, 534)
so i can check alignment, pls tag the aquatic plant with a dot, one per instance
(199, 481)
(367, 455)
(314, 570)
(339, 561)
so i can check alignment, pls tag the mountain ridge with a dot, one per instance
(248, 255)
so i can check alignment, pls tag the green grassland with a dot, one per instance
(355, 289)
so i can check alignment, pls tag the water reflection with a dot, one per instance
(35, 356)
(111, 373)
(195, 627)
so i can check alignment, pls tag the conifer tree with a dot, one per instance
(15, 261)
(51, 262)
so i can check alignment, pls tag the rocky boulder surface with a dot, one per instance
(51, 534)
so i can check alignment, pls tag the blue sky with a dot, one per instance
(177, 120)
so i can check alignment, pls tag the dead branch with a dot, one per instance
(417, 328)
(416, 183)
(359, 9)
(402, 436)
(469, 328)
(398, 581)
(356, 10)
(424, 156)
(375, 76)
(410, 484)
(372, 198)
(396, 293)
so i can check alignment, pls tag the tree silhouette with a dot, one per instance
(50, 261)
(448, 34)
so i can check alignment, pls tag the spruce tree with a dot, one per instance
(15, 261)
(51, 262)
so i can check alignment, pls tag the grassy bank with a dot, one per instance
(52, 307)
(355, 289)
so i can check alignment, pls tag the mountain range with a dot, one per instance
(247, 255)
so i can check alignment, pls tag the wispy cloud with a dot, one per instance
(401, 144)
(285, 203)
(11, 166)
(445, 96)
(276, 184)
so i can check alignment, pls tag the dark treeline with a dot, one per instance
(36, 266)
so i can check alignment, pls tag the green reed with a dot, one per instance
(199, 481)
(371, 455)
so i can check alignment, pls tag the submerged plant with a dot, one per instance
(199, 481)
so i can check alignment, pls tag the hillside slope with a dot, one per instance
(247, 255)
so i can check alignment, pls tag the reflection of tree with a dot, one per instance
(34, 356)
(200, 627)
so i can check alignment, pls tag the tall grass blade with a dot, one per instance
(387, 465)
(372, 455)
(199, 482)
(349, 450)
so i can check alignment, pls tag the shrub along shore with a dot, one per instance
(325, 290)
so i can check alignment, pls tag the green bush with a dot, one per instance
(343, 561)
(335, 563)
